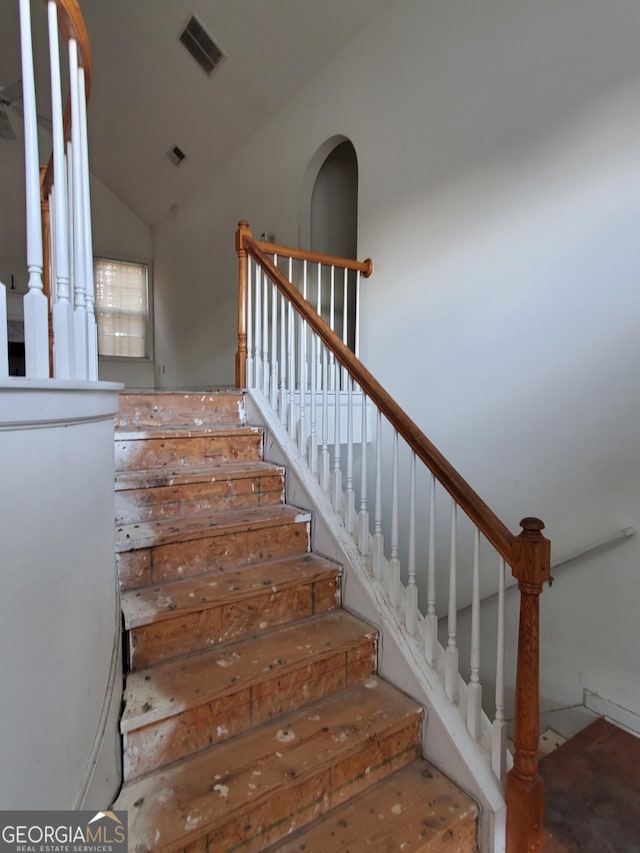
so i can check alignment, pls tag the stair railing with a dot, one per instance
(360, 445)
(59, 249)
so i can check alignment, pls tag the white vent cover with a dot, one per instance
(201, 46)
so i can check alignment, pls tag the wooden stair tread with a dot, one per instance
(181, 406)
(175, 598)
(205, 473)
(178, 803)
(168, 530)
(415, 809)
(168, 689)
(145, 431)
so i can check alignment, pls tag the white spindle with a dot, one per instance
(474, 690)
(377, 545)
(4, 343)
(257, 359)
(302, 369)
(36, 314)
(291, 352)
(79, 267)
(336, 477)
(313, 439)
(345, 307)
(332, 319)
(395, 588)
(499, 728)
(363, 515)
(411, 600)
(250, 359)
(92, 331)
(349, 496)
(265, 334)
(70, 218)
(274, 343)
(282, 396)
(324, 467)
(431, 619)
(357, 313)
(319, 311)
(60, 275)
(451, 657)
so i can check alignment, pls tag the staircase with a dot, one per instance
(254, 718)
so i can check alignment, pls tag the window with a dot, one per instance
(122, 307)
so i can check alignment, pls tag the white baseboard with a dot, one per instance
(622, 717)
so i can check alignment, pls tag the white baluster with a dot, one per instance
(357, 313)
(312, 448)
(474, 689)
(36, 312)
(302, 368)
(60, 275)
(451, 657)
(274, 343)
(258, 326)
(70, 221)
(395, 586)
(291, 351)
(324, 467)
(345, 306)
(431, 619)
(499, 728)
(332, 323)
(363, 515)
(411, 599)
(4, 343)
(282, 397)
(265, 334)
(92, 329)
(336, 477)
(250, 360)
(349, 496)
(377, 545)
(79, 267)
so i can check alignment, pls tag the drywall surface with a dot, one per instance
(59, 609)
(119, 233)
(499, 178)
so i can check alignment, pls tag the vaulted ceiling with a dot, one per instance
(149, 94)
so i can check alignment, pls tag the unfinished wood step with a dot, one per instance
(194, 614)
(160, 493)
(196, 409)
(177, 708)
(251, 791)
(176, 447)
(415, 810)
(168, 549)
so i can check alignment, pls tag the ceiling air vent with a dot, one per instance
(176, 155)
(201, 46)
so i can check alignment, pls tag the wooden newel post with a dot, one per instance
(243, 291)
(47, 271)
(524, 795)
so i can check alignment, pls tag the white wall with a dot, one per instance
(499, 178)
(59, 609)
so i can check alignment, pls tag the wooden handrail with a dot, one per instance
(470, 502)
(528, 554)
(365, 267)
(72, 26)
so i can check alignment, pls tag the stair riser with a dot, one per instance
(160, 743)
(195, 410)
(170, 638)
(270, 821)
(146, 566)
(137, 454)
(150, 504)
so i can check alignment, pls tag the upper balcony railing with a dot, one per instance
(59, 319)
(431, 542)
